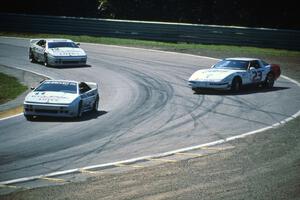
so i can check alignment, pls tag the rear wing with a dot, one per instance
(33, 41)
(92, 85)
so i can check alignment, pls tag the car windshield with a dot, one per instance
(232, 64)
(58, 86)
(62, 44)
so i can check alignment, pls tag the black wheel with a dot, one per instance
(80, 110)
(196, 90)
(269, 82)
(31, 56)
(29, 117)
(46, 60)
(236, 85)
(96, 104)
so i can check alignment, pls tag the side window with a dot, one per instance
(83, 87)
(42, 43)
(264, 63)
(255, 64)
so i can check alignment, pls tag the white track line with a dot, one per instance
(169, 153)
(33, 72)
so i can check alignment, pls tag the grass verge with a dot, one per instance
(10, 88)
(11, 112)
(179, 47)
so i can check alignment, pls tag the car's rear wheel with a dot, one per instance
(269, 82)
(236, 84)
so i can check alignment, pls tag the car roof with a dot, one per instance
(58, 40)
(68, 81)
(242, 59)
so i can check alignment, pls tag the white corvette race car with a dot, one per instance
(61, 98)
(233, 73)
(56, 52)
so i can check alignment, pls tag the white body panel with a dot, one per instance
(221, 78)
(61, 56)
(60, 103)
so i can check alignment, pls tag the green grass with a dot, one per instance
(199, 49)
(10, 88)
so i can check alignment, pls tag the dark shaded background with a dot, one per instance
(255, 13)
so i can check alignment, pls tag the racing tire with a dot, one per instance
(236, 85)
(31, 56)
(46, 60)
(270, 80)
(29, 117)
(80, 110)
(96, 104)
(196, 90)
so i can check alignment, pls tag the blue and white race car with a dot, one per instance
(56, 52)
(61, 98)
(233, 73)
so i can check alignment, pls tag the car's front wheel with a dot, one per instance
(46, 60)
(31, 56)
(236, 84)
(269, 82)
(29, 117)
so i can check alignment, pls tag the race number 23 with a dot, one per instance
(257, 76)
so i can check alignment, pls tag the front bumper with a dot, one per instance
(209, 85)
(67, 60)
(61, 110)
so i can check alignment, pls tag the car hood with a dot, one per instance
(66, 51)
(211, 74)
(50, 97)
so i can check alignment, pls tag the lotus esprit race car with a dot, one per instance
(56, 52)
(61, 98)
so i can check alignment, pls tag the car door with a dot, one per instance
(256, 72)
(88, 96)
(39, 50)
(90, 99)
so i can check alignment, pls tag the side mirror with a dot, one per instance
(32, 88)
(252, 68)
(78, 44)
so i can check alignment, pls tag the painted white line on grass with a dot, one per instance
(16, 115)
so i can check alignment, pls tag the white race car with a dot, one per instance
(233, 73)
(61, 98)
(56, 52)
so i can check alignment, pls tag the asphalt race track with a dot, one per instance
(145, 108)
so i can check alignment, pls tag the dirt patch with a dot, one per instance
(11, 112)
